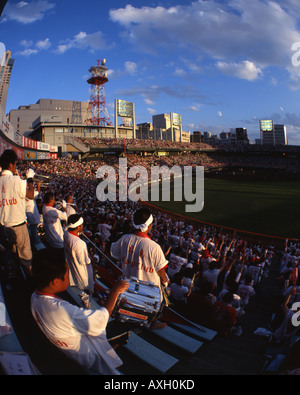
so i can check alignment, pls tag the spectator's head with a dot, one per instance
(49, 198)
(75, 223)
(228, 297)
(50, 270)
(142, 220)
(8, 160)
(178, 278)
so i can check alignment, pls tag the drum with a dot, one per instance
(139, 304)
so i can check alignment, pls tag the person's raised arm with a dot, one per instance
(119, 288)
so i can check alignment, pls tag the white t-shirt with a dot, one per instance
(104, 230)
(140, 257)
(52, 225)
(32, 212)
(245, 292)
(76, 253)
(175, 264)
(211, 276)
(70, 210)
(12, 199)
(178, 292)
(79, 333)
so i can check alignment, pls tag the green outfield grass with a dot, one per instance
(271, 208)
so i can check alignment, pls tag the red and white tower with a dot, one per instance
(97, 103)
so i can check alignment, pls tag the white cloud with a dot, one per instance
(245, 70)
(82, 40)
(179, 72)
(27, 12)
(151, 111)
(27, 52)
(33, 49)
(220, 114)
(26, 43)
(148, 101)
(43, 44)
(193, 108)
(130, 67)
(228, 31)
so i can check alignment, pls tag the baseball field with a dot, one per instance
(264, 207)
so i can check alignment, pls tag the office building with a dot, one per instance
(6, 64)
(68, 112)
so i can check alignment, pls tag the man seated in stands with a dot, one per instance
(79, 333)
(224, 315)
(76, 252)
(176, 261)
(200, 303)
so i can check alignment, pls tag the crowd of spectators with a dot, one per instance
(203, 262)
(219, 145)
(144, 143)
(213, 273)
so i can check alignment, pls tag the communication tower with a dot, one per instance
(97, 103)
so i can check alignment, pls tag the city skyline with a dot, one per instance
(219, 64)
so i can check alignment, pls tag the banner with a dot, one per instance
(28, 143)
(43, 146)
(29, 155)
(4, 145)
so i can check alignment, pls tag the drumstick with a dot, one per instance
(94, 245)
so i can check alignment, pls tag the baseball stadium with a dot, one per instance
(145, 250)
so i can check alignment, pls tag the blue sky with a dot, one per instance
(221, 64)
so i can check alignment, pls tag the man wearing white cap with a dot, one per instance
(76, 253)
(140, 256)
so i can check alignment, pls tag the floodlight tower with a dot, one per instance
(97, 99)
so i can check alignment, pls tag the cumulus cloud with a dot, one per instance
(27, 12)
(27, 52)
(33, 49)
(259, 31)
(151, 111)
(43, 44)
(82, 40)
(130, 67)
(245, 70)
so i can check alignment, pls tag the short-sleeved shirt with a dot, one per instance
(245, 292)
(140, 257)
(179, 292)
(32, 212)
(175, 264)
(52, 225)
(12, 199)
(79, 333)
(76, 253)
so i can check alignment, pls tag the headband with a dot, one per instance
(143, 227)
(78, 223)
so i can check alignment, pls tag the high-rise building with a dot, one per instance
(196, 137)
(171, 124)
(272, 134)
(161, 121)
(280, 134)
(241, 135)
(5, 72)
